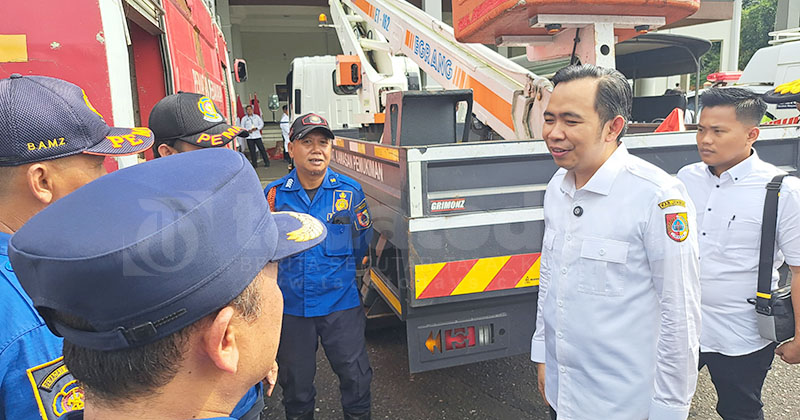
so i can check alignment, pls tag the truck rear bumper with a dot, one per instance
(466, 332)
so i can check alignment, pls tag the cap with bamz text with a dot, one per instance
(44, 118)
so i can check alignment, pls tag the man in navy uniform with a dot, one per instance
(167, 310)
(322, 301)
(184, 122)
(52, 141)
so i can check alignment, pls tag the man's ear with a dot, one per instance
(40, 179)
(219, 341)
(615, 127)
(752, 135)
(291, 149)
(167, 150)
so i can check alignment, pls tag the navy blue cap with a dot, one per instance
(192, 118)
(307, 123)
(44, 118)
(147, 250)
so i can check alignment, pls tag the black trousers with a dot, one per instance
(738, 381)
(258, 143)
(342, 336)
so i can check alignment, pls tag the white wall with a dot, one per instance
(269, 54)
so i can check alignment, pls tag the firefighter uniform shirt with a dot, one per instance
(618, 315)
(321, 281)
(729, 213)
(34, 383)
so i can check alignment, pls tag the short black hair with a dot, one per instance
(285, 107)
(248, 106)
(614, 95)
(119, 375)
(749, 106)
(173, 143)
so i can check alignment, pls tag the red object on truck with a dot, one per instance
(126, 58)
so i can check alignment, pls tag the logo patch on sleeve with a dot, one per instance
(677, 226)
(55, 390)
(363, 219)
(671, 202)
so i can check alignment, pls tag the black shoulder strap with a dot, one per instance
(769, 222)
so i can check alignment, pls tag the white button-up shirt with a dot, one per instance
(729, 213)
(285, 125)
(618, 315)
(253, 121)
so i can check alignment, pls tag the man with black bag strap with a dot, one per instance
(727, 188)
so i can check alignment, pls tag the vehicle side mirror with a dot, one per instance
(240, 70)
(274, 103)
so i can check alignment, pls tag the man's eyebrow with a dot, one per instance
(563, 115)
(713, 127)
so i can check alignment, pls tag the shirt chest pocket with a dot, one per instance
(602, 267)
(742, 237)
(339, 241)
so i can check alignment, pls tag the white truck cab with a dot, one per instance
(312, 88)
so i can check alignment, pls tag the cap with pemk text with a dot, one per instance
(192, 118)
(43, 118)
(307, 123)
(179, 239)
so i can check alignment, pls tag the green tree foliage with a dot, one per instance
(758, 20)
(709, 63)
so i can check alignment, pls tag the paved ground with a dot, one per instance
(499, 389)
(276, 170)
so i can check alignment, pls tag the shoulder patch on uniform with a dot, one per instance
(671, 202)
(363, 219)
(677, 226)
(55, 390)
(361, 205)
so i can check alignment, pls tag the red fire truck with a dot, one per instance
(126, 54)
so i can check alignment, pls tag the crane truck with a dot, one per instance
(459, 223)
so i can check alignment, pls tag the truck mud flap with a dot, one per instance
(447, 336)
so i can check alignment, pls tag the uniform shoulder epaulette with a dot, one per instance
(651, 173)
(284, 181)
(276, 183)
(344, 179)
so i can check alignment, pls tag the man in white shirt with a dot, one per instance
(285, 124)
(618, 315)
(728, 188)
(253, 123)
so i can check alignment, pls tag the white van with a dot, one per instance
(770, 67)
